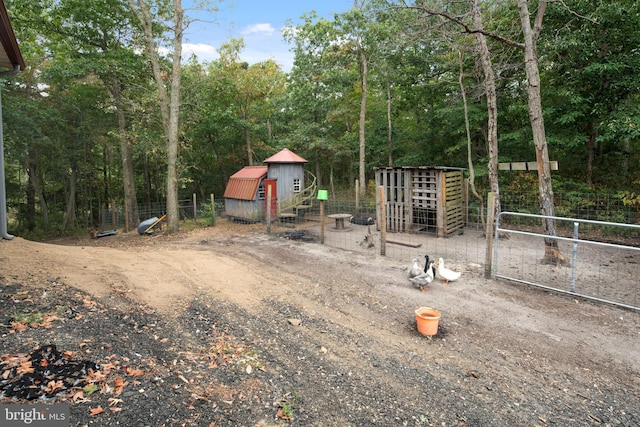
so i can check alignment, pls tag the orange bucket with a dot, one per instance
(427, 319)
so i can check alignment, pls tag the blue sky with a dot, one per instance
(258, 22)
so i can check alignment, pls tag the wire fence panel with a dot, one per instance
(606, 269)
(361, 233)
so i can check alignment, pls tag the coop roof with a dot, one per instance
(285, 156)
(244, 184)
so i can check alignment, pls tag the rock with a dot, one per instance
(294, 322)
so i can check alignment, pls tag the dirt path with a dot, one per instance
(331, 335)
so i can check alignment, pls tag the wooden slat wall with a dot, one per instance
(422, 190)
(454, 201)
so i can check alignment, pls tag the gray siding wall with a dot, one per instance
(285, 173)
(252, 210)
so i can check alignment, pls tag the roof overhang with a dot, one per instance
(10, 56)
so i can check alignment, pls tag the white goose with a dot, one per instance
(447, 275)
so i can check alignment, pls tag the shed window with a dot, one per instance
(297, 185)
(261, 191)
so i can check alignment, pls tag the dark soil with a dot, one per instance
(228, 326)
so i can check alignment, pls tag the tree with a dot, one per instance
(552, 254)
(96, 40)
(536, 118)
(169, 103)
(592, 88)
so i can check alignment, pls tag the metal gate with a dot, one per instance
(604, 270)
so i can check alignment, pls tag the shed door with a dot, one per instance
(270, 188)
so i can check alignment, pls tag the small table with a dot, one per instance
(339, 219)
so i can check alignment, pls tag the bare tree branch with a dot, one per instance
(537, 26)
(466, 29)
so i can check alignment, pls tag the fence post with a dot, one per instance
(383, 221)
(488, 260)
(322, 221)
(195, 217)
(213, 210)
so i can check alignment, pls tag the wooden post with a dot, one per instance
(488, 259)
(194, 207)
(322, 221)
(269, 187)
(357, 194)
(383, 222)
(213, 210)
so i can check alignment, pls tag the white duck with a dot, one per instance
(422, 280)
(415, 269)
(446, 274)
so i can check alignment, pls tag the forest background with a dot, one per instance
(92, 121)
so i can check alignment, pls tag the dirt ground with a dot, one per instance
(230, 326)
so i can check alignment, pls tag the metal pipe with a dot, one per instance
(575, 240)
(575, 256)
(4, 234)
(550, 288)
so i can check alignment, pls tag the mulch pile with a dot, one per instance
(44, 372)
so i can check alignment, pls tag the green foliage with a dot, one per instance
(63, 127)
(207, 214)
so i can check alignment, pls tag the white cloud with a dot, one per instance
(265, 29)
(204, 52)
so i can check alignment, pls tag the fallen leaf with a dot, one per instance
(52, 386)
(114, 409)
(95, 411)
(25, 368)
(119, 382)
(19, 326)
(114, 401)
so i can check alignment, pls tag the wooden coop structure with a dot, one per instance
(428, 198)
(292, 190)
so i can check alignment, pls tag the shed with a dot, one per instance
(244, 197)
(287, 168)
(292, 189)
(426, 198)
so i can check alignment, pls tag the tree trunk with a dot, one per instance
(70, 213)
(169, 107)
(172, 141)
(591, 154)
(472, 173)
(363, 114)
(128, 177)
(552, 253)
(31, 190)
(247, 139)
(389, 125)
(492, 109)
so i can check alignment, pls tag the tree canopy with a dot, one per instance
(379, 85)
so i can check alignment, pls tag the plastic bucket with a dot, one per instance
(323, 195)
(427, 319)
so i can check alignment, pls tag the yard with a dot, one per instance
(230, 326)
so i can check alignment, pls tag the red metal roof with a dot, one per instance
(285, 156)
(244, 184)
